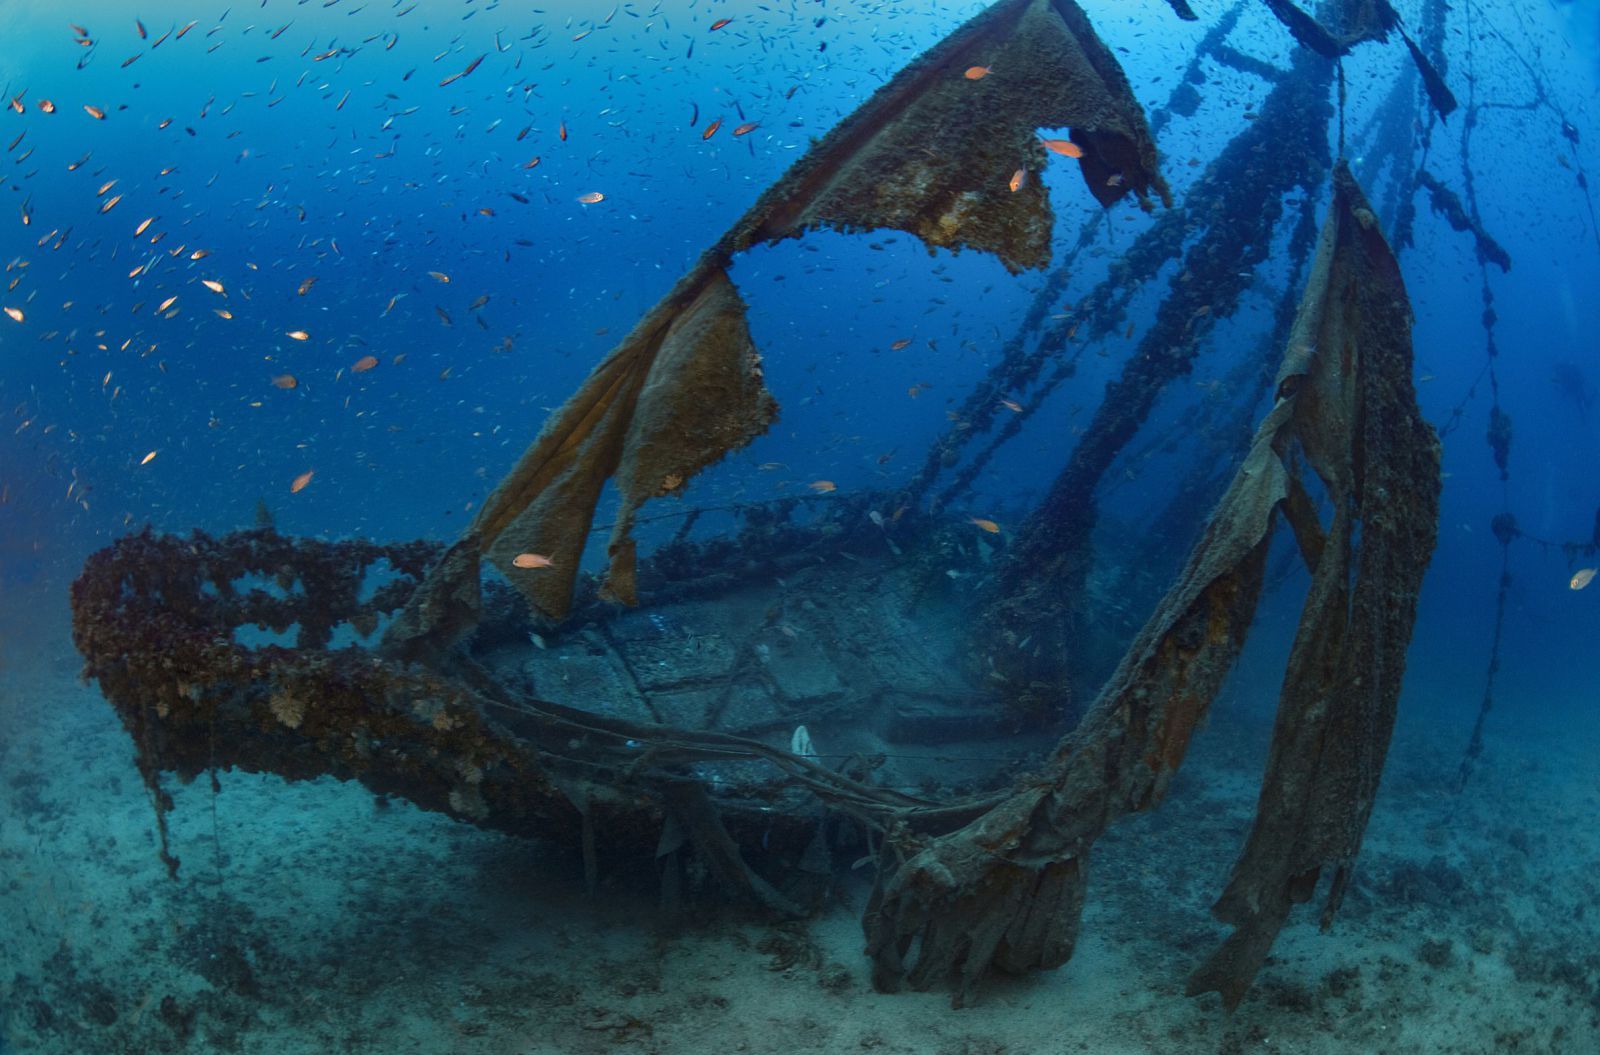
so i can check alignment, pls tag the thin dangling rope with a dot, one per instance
(1340, 64)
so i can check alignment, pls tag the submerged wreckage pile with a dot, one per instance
(993, 881)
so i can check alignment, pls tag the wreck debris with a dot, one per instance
(995, 881)
(1019, 367)
(930, 153)
(1004, 891)
(1379, 462)
(1446, 204)
(1362, 20)
(1038, 590)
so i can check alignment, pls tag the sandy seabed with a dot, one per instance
(313, 918)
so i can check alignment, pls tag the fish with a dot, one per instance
(1012, 405)
(593, 197)
(875, 516)
(988, 525)
(718, 24)
(746, 128)
(822, 487)
(1583, 578)
(561, 131)
(457, 76)
(1064, 147)
(147, 459)
(213, 285)
(94, 112)
(47, 106)
(223, 313)
(977, 73)
(362, 365)
(15, 313)
(166, 304)
(305, 285)
(143, 227)
(298, 335)
(440, 276)
(901, 343)
(1018, 178)
(299, 482)
(286, 381)
(711, 129)
(532, 560)
(110, 203)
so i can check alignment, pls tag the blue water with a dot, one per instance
(310, 157)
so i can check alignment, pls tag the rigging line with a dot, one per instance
(1339, 63)
(1499, 431)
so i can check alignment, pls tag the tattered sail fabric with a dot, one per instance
(1005, 890)
(1355, 21)
(947, 150)
(1362, 434)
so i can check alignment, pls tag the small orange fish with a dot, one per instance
(15, 313)
(362, 365)
(532, 560)
(286, 381)
(901, 343)
(977, 73)
(94, 112)
(711, 129)
(746, 128)
(1018, 178)
(822, 487)
(47, 106)
(110, 203)
(166, 304)
(561, 131)
(300, 482)
(1065, 147)
(147, 459)
(297, 335)
(143, 227)
(594, 197)
(223, 313)
(531, 164)
(199, 254)
(1583, 578)
(213, 285)
(440, 276)
(718, 24)
(305, 285)
(988, 525)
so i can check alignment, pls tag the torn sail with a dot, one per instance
(1005, 890)
(1361, 432)
(1358, 21)
(935, 152)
